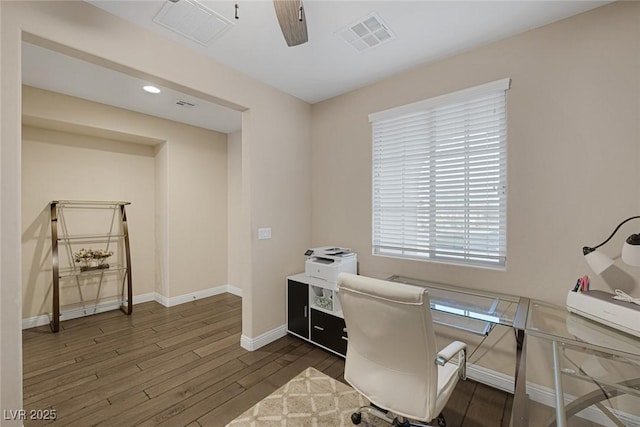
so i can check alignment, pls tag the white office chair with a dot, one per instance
(391, 355)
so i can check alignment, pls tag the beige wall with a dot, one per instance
(573, 146)
(273, 123)
(235, 252)
(161, 219)
(280, 199)
(190, 181)
(197, 201)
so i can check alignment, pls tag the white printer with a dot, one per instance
(325, 263)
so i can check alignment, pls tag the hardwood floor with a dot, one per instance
(183, 366)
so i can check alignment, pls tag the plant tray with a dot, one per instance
(94, 267)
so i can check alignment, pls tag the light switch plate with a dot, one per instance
(264, 233)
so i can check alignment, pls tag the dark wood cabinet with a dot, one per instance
(321, 324)
(298, 308)
(328, 331)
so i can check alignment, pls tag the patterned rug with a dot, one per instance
(309, 399)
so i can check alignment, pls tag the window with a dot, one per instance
(439, 178)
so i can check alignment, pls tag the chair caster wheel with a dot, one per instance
(356, 418)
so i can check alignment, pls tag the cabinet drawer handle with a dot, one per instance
(305, 311)
(318, 328)
(345, 338)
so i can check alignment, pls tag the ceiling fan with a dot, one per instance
(292, 21)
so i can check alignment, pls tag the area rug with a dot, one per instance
(310, 399)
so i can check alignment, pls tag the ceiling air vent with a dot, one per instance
(366, 33)
(192, 20)
(185, 104)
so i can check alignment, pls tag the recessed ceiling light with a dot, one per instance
(151, 89)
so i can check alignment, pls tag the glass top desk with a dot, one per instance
(580, 367)
(472, 310)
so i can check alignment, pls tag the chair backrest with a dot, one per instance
(392, 348)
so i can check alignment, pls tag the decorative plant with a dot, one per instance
(101, 254)
(86, 256)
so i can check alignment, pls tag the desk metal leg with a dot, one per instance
(520, 338)
(520, 407)
(561, 416)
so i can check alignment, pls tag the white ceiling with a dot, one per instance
(326, 66)
(46, 69)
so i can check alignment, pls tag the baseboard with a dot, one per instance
(139, 299)
(234, 290)
(74, 313)
(491, 378)
(193, 296)
(252, 344)
(33, 322)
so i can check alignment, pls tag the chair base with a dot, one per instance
(356, 418)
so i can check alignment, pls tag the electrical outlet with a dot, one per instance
(264, 233)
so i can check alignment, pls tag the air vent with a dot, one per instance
(185, 104)
(192, 20)
(366, 33)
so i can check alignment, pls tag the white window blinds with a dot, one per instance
(439, 178)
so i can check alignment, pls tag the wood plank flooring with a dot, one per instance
(183, 366)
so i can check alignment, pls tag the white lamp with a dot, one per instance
(599, 262)
(631, 250)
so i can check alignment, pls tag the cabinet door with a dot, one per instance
(298, 308)
(328, 331)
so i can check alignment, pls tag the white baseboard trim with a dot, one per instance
(491, 378)
(193, 296)
(205, 293)
(139, 299)
(74, 313)
(252, 344)
(35, 321)
(234, 290)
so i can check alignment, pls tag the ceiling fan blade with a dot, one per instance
(289, 14)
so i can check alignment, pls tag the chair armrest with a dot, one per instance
(447, 353)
